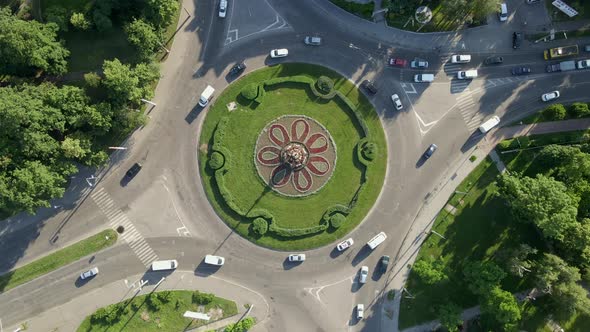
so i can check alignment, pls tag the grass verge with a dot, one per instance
(480, 228)
(57, 259)
(160, 311)
(361, 10)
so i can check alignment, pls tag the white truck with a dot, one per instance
(376, 240)
(169, 264)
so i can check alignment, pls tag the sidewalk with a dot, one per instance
(69, 316)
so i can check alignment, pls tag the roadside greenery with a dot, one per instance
(57, 259)
(159, 311)
(557, 112)
(364, 10)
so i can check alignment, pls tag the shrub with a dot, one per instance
(164, 296)
(430, 271)
(79, 21)
(260, 226)
(102, 22)
(295, 232)
(241, 326)
(369, 151)
(92, 79)
(202, 298)
(472, 158)
(554, 112)
(216, 161)
(154, 301)
(579, 110)
(391, 295)
(250, 91)
(112, 314)
(337, 219)
(325, 84)
(99, 315)
(260, 94)
(58, 15)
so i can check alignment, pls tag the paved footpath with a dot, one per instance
(70, 315)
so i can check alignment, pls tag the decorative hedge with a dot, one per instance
(295, 232)
(336, 220)
(216, 160)
(250, 91)
(260, 226)
(325, 84)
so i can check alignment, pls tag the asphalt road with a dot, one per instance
(166, 204)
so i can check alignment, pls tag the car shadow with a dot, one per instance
(287, 265)
(361, 255)
(193, 114)
(335, 253)
(205, 270)
(81, 283)
(472, 140)
(125, 181)
(355, 286)
(353, 320)
(421, 161)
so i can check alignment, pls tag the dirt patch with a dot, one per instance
(215, 313)
(204, 148)
(145, 316)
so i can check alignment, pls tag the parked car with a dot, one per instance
(314, 41)
(364, 274)
(222, 8)
(397, 62)
(584, 64)
(132, 172)
(419, 63)
(550, 95)
(369, 86)
(421, 78)
(587, 48)
(345, 244)
(279, 53)
(521, 70)
(494, 60)
(430, 151)
(296, 257)
(384, 263)
(214, 260)
(396, 101)
(360, 311)
(237, 69)
(460, 58)
(516, 40)
(503, 12)
(90, 273)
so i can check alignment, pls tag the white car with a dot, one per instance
(458, 58)
(550, 95)
(90, 273)
(279, 53)
(419, 63)
(360, 311)
(222, 8)
(214, 260)
(364, 274)
(584, 64)
(296, 257)
(345, 244)
(396, 101)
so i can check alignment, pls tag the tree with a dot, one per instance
(516, 260)
(449, 315)
(542, 200)
(33, 184)
(483, 8)
(79, 21)
(579, 110)
(452, 7)
(29, 45)
(125, 84)
(502, 307)
(143, 37)
(430, 271)
(161, 12)
(551, 270)
(568, 298)
(58, 15)
(552, 156)
(482, 276)
(554, 112)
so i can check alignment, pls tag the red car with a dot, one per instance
(397, 62)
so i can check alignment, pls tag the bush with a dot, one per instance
(579, 110)
(154, 301)
(202, 298)
(250, 91)
(295, 232)
(472, 158)
(79, 21)
(337, 219)
(241, 326)
(92, 79)
(325, 84)
(216, 161)
(362, 10)
(554, 112)
(260, 94)
(260, 226)
(59, 16)
(102, 22)
(164, 296)
(369, 151)
(391, 295)
(112, 314)
(99, 315)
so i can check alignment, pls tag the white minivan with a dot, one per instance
(377, 240)
(206, 96)
(503, 13)
(423, 78)
(467, 74)
(169, 264)
(489, 124)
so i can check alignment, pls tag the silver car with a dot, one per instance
(90, 273)
(296, 257)
(364, 274)
(397, 102)
(314, 41)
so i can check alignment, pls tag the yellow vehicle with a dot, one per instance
(560, 52)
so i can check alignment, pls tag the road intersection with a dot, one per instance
(165, 210)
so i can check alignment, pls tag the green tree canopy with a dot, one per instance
(29, 45)
(551, 270)
(569, 298)
(449, 315)
(502, 307)
(126, 84)
(481, 277)
(430, 271)
(142, 35)
(161, 12)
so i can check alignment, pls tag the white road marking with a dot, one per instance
(186, 231)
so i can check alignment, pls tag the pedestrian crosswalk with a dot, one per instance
(468, 111)
(118, 218)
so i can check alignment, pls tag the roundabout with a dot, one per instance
(289, 160)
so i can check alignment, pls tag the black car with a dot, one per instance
(133, 170)
(369, 86)
(384, 263)
(516, 40)
(521, 70)
(237, 69)
(494, 60)
(430, 151)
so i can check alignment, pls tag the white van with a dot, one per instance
(423, 78)
(503, 13)
(376, 240)
(206, 96)
(169, 264)
(489, 124)
(467, 74)
(214, 260)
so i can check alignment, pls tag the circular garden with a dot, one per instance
(292, 156)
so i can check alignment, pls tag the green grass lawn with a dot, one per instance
(480, 228)
(439, 22)
(139, 315)
(582, 6)
(57, 259)
(359, 9)
(243, 181)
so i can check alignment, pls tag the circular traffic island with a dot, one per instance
(292, 156)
